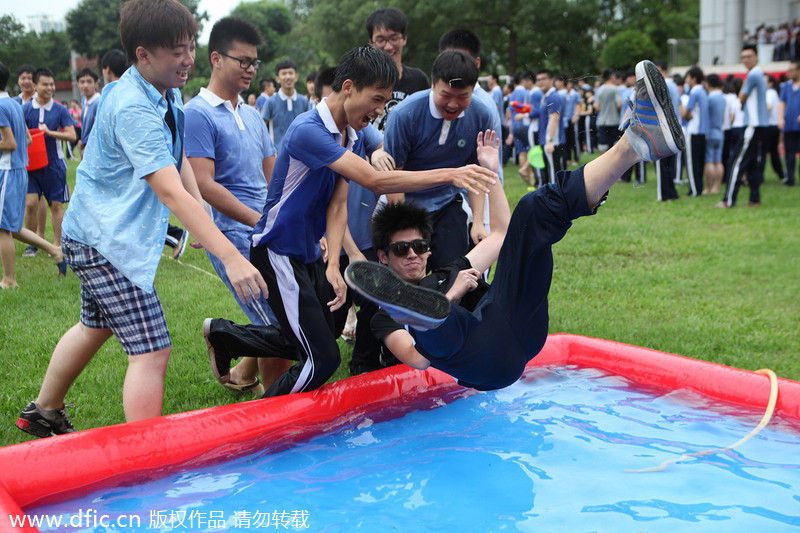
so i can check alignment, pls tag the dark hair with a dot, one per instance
(390, 18)
(714, 81)
(528, 75)
(229, 29)
(547, 72)
(284, 64)
(42, 72)
(662, 65)
(737, 85)
(87, 72)
(678, 79)
(114, 60)
(495, 75)
(696, 73)
(455, 68)
(364, 67)
(312, 76)
(607, 73)
(324, 77)
(392, 217)
(30, 69)
(4, 74)
(461, 39)
(153, 24)
(263, 82)
(752, 47)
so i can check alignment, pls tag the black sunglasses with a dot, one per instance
(401, 248)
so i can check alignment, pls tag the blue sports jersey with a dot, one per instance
(418, 138)
(791, 98)
(698, 106)
(755, 107)
(281, 110)
(552, 103)
(11, 117)
(716, 114)
(88, 115)
(237, 141)
(56, 116)
(294, 216)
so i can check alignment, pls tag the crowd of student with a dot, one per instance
(785, 38)
(284, 225)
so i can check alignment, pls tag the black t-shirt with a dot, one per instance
(413, 80)
(439, 280)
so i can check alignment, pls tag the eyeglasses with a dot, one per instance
(401, 248)
(244, 62)
(380, 40)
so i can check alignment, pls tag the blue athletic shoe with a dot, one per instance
(181, 247)
(652, 127)
(418, 307)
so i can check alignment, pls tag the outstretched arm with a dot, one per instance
(401, 344)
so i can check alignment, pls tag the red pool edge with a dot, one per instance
(61, 468)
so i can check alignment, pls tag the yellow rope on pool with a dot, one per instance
(773, 398)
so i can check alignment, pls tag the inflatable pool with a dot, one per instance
(59, 469)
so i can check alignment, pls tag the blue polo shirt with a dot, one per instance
(481, 96)
(361, 201)
(698, 105)
(497, 98)
(11, 117)
(237, 141)
(716, 114)
(674, 95)
(418, 138)
(113, 209)
(522, 95)
(756, 113)
(791, 98)
(88, 114)
(281, 110)
(552, 103)
(56, 116)
(294, 217)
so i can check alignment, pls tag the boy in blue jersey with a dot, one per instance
(551, 128)
(521, 122)
(484, 336)
(748, 155)
(789, 119)
(307, 199)
(134, 173)
(231, 154)
(714, 170)
(696, 113)
(45, 114)
(285, 105)
(14, 141)
(87, 82)
(25, 82)
(437, 128)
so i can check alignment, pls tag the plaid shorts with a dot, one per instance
(110, 301)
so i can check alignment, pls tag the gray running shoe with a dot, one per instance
(44, 422)
(652, 127)
(30, 251)
(409, 304)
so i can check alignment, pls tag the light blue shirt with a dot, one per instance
(698, 105)
(237, 141)
(755, 107)
(716, 114)
(552, 104)
(113, 208)
(791, 97)
(497, 125)
(280, 111)
(87, 117)
(11, 117)
(497, 98)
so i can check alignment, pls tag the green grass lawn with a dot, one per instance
(717, 285)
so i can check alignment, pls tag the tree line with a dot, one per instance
(580, 37)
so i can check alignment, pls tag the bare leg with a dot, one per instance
(143, 391)
(28, 237)
(41, 217)
(31, 212)
(57, 209)
(272, 368)
(73, 352)
(601, 173)
(7, 253)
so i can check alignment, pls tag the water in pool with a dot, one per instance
(546, 454)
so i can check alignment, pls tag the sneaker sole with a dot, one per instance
(417, 306)
(33, 428)
(212, 356)
(659, 94)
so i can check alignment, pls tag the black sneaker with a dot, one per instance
(44, 422)
(409, 304)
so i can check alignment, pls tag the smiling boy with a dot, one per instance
(286, 104)
(134, 173)
(307, 198)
